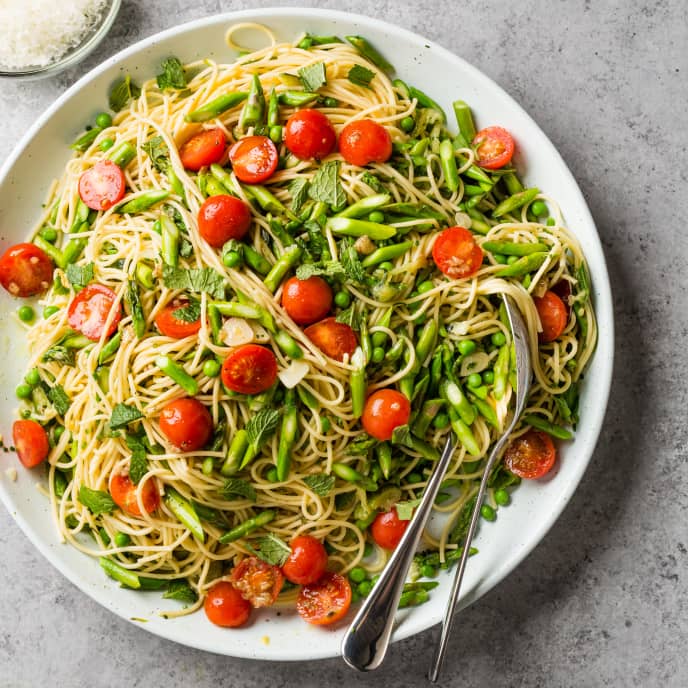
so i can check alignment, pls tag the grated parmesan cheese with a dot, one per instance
(34, 33)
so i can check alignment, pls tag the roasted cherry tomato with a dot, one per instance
(325, 601)
(90, 309)
(171, 326)
(249, 369)
(222, 218)
(387, 529)
(306, 301)
(257, 581)
(553, 316)
(494, 147)
(31, 442)
(224, 606)
(308, 134)
(530, 455)
(254, 159)
(456, 254)
(385, 410)
(203, 149)
(123, 492)
(365, 141)
(333, 338)
(307, 561)
(25, 270)
(102, 186)
(186, 423)
(563, 290)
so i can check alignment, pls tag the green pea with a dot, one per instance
(440, 421)
(364, 588)
(49, 234)
(378, 354)
(511, 260)
(467, 346)
(386, 266)
(103, 120)
(58, 431)
(357, 574)
(122, 540)
(502, 497)
(330, 102)
(26, 313)
(488, 513)
(211, 368)
(428, 571)
(474, 380)
(407, 124)
(342, 299)
(414, 478)
(572, 364)
(498, 338)
(376, 216)
(231, 259)
(33, 377)
(23, 391)
(271, 475)
(551, 222)
(106, 144)
(539, 209)
(325, 424)
(49, 310)
(488, 377)
(499, 258)
(425, 287)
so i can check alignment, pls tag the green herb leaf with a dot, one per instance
(136, 308)
(96, 501)
(351, 317)
(502, 478)
(373, 182)
(138, 465)
(261, 426)
(172, 75)
(299, 193)
(237, 487)
(59, 399)
(80, 275)
(332, 268)
(185, 248)
(360, 76)
(273, 550)
(61, 354)
(326, 186)
(320, 483)
(122, 415)
(348, 257)
(189, 313)
(180, 590)
(157, 151)
(313, 76)
(405, 509)
(122, 92)
(194, 280)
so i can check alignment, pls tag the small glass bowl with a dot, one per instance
(75, 54)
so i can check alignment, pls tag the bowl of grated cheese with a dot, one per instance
(42, 37)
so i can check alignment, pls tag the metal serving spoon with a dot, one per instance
(365, 643)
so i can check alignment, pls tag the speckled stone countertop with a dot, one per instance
(603, 600)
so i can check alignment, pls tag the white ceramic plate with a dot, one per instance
(39, 158)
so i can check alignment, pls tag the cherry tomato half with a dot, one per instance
(494, 147)
(90, 309)
(387, 529)
(385, 410)
(203, 149)
(249, 369)
(102, 186)
(31, 442)
(25, 270)
(309, 134)
(222, 218)
(365, 141)
(167, 322)
(257, 581)
(123, 492)
(306, 301)
(186, 423)
(224, 606)
(553, 316)
(325, 601)
(254, 159)
(456, 254)
(307, 561)
(530, 455)
(333, 338)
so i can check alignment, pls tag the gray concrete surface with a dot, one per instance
(602, 600)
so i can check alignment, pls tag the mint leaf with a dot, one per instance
(59, 399)
(405, 509)
(79, 275)
(373, 182)
(189, 313)
(194, 280)
(138, 466)
(180, 590)
(96, 501)
(332, 268)
(172, 75)
(299, 193)
(348, 257)
(122, 415)
(313, 76)
(273, 550)
(350, 317)
(326, 187)
(237, 487)
(185, 248)
(261, 426)
(122, 92)
(360, 76)
(59, 353)
(320, 483)
(157, 151)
